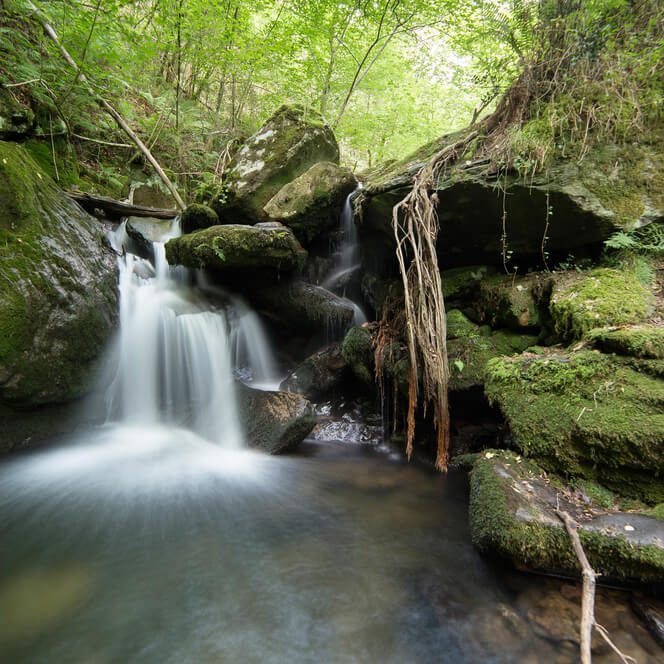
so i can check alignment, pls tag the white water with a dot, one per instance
(348, 259)
(174, 363)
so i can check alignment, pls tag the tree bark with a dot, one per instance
(106, 106)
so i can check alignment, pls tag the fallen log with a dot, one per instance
(114, 209)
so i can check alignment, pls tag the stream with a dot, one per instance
(159, 538)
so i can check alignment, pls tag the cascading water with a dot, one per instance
(174, 363)
(347, 258)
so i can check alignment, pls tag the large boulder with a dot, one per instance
(319, 374)
(274, 422)
(513, 514)
(303, 309)
(586, 414)
(58, 295)
(312, 202)
(236, 247)
(567, 207)
(287, 145)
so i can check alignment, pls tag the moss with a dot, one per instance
(657, 511)
(236, 247)
(496, 528)
(584, 414)
(459, 326)
(461, 282)
(357, 351)
(601, 297)
(642, 341)
(65, 158)
(197, 216)
(598, 495)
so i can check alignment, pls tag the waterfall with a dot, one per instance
(347, 258)
(174, 363)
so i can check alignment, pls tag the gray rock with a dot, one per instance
(318, 374)
(274, 422)
(146, 230)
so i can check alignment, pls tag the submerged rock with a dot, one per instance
(318, 374)
(312, 202)
(512, 513)
(58, 295)
(586, 414)
(274, 422)
(236, 247)
(287, 145)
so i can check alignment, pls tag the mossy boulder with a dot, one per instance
(274, 422)
(581, 301)
(358, 351)
(585, 414)
(235, 247)
(16, 120)
(565, 208)
(512, 514)
(463, 282)
(642, 341)
(303, 309)
(311, 204)
(285, 147)
(470, 347)
(197, 216)
(319, 374)
(58, 295)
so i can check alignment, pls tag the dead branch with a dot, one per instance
(50, 32)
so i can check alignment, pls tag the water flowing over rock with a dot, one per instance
(310, 205)
(58, 296)
(287, 145)
(237, 248)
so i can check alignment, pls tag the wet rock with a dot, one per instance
(196, 217)
(58, 295)
(274, 422)
(569, 207)
(303, 308)
(235, 247)
(585, 414)
(146, 230)
(318, 374)
(512, 514)
(285, 147)
(358, 353)
(652, 614)
(311, 204)
(581, 301)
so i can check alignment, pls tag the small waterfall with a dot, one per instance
(174, 362)
(348, 258)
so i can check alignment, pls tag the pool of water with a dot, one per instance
(151, 545)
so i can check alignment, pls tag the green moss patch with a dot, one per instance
(357, 350)
(601, 297)
(585, 414)
(644, 341)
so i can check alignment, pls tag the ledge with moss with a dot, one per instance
(512, 514)
(236, 247)
(585, 414)
(642, 341)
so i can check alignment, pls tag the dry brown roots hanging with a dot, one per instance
(415, 226)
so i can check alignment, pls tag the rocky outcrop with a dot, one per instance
(58, 296)
(310, 205)
(238, 248)
(287, 145)
(319, 374)
(274, 422)
(567, 207)
(586, 414)
(512, 514)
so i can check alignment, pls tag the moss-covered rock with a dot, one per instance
(644, 341)
(287, 145)
(274, 422)
(310, 205)
(512, 514)
(236, 247)
(358, 352)
(585, 414)
(581, 301)
(58, 296)
(16, 120)
(462, 282)
(198, 216)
